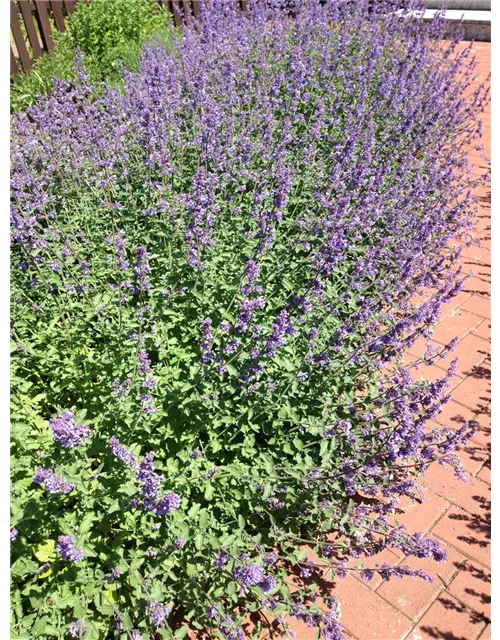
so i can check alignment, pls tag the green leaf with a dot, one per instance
(267, 492)
(78, 609)
(194, 510)
(86, 523)
(344, 518)
(198, 541)
(283, 412)
(39, 628)
(268, 464)
(45, 552)
(203, 520)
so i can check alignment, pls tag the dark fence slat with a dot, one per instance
(196, 7)
(14, 69)
(187, 10)
(176, 7)
(56, 6)
(244, 5)
(27, 9)
(19, 38)
(44, 24)
(70, 5)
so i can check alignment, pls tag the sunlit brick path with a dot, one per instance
(456, 606)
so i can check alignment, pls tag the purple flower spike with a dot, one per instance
(67, 549)
(169, 503)
(67, 432)
(158, 613)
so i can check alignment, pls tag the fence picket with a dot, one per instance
(42, 17)
(27, 9)
(19, 38)
(196, 7)
(14, 69)
(70, 5)
(56, 6)
(187, 11)
(176, 7)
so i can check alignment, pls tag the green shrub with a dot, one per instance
(106, 31)
(103, 27)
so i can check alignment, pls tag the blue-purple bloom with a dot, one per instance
(51, 482)
(158, 613)
(67, 432)
(77, 629)
(221, 559)
(167, 504)
(180, 543)
(120, 452)
(67, 549)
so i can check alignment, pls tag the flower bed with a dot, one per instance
(216, 272)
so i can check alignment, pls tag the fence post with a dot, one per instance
(177, 12)
(187, 11)
(196, 7)
(70, 5)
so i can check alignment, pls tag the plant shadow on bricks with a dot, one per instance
(476, 523)
(477, 574)
(486, 198)
(453, 605)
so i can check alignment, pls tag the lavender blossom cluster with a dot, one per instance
(149, 480)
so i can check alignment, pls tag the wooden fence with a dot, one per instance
(32, 23)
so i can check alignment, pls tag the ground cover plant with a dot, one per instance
(215, 274)
(107, 32)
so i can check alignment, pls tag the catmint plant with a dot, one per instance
(216, 271)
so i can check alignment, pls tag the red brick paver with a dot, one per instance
(456, 606)
(448, 619)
